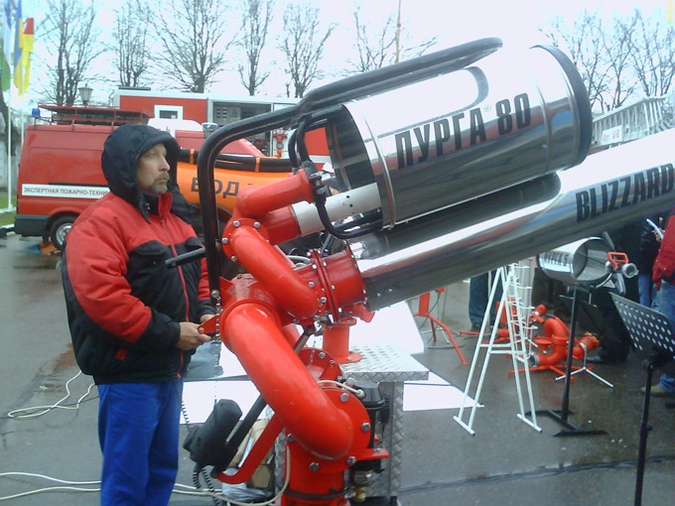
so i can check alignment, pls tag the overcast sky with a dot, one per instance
(452, 22)
(516, 22)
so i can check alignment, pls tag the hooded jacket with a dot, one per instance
(124, 304)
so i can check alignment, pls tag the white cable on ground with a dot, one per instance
(35, 411)
(72, 486)
(48, 489)
(78, 486)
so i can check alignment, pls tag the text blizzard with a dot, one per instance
(625, 191)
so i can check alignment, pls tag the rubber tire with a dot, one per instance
(59, 230)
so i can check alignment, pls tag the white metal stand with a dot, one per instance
(589, 326)
(516, 302)
(588, 371)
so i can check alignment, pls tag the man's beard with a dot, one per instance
(160, 185)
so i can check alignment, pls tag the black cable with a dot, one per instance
(209, 153)
(320, 201)
(292, 152)
(302, 146)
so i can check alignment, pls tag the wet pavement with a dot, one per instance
(505, 462)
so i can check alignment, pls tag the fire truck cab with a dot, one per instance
(60, 166)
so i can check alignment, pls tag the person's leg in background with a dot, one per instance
(645, 289)
(666, 303)
(615, 343)
(479, 293)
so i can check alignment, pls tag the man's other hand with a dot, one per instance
(190, 338)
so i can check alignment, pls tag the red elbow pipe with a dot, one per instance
(558, 353)
(251, 333)
(274, 272)
(281, 225)
(557, 332)
(257, 201)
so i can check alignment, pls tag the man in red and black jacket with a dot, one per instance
(663, 276)
(134, 320)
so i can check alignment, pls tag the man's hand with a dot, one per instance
(190, 338)
(206, 317)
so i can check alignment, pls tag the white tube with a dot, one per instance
(339, 207)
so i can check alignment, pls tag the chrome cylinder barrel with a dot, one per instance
(433, 144)
(579, 262)
(610, 188)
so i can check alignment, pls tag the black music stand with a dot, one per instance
(654, 341)
(562, 415)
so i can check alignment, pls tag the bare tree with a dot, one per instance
(584, 43)
(192, 40)
(374, 52)
(653, 53)
(617, 62)
(131, 51)
(378, 46)
(303, 45)
(617, 50)
(255, 28)
(70, 38)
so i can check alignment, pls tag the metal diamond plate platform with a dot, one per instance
(389, 366)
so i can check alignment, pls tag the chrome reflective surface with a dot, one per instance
(610, 188)
(507, 119)
(578, 262)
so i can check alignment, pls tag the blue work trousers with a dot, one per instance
(138, 427)
(647, 290)
(479, 293)
(666, 304)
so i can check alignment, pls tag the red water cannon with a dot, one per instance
(451, 186)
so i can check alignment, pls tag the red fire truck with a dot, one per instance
(60, 174)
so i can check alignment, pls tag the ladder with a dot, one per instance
(516, 302)
(634, 121)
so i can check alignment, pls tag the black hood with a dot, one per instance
(121, 152)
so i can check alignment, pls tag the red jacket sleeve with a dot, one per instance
(664, 265)
(97, 269)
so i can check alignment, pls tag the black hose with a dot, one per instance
(417, 69)
(209, 153)
(248, 163)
